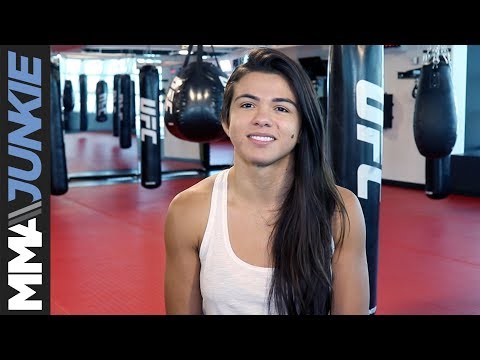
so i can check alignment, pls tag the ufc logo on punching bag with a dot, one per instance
(102, 101)
(176, 83)
(366, 90)
(148, 114)
(120, 107)
(102, 107)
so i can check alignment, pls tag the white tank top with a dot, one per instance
(229, 285)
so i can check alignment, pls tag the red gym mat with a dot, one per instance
(108, 255)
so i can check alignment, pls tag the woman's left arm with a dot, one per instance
(351, 290)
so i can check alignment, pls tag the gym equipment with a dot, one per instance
(83, 103)
(124, 112)
(58, 167)
(101, 101)
(68, 104)
(132, 104)
(194, 101)
(355, 133)
(151, 168)
(116, 93)
(437, 177)
(68, 97)
(435, 116)
(435, 120)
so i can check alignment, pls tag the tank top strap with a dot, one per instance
(217, 214)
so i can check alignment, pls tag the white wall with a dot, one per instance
(401, 159)
(459, 79)
(180, 149)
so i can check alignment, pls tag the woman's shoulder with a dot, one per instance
(352, 206)
(187, 213)
(196, 195)
(348, 197)
(354, 222)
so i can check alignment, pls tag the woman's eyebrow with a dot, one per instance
(253, 97)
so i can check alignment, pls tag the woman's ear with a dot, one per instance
(225, 128)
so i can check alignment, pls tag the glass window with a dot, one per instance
(73, 66)
(93, 67)
(92, 81)
(104, 69)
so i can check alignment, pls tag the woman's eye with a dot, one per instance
(281, 108)
(246, 105)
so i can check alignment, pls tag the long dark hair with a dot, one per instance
(302, 237)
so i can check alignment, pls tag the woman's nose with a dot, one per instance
(262, 118)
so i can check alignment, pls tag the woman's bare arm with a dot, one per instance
(351, 292)
(182, 273)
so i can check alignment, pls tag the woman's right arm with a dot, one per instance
(182, 273)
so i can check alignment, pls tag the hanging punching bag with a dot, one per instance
(355, 132)
(68, 97)
(101, 93)
(435, 123)
(68, 104)
(58, 168)
(124, 112)
(151, 170)
(194, 101)
(435, 116)
(133, 110)
(117, 80)
(83, 102)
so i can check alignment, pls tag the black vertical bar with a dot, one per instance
(151, 157)
(355, 126)
(116, 93)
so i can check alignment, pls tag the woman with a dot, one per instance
(273, 234)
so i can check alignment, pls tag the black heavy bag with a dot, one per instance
(101, 93)
(133, 113)
(437, 177)
(124, 113)
(68, 104)
(68, 97)
(83, 103)
(435, 116)
(151, 170)
(355, 132)
(116, 93)
(58, 168)
(194, 101)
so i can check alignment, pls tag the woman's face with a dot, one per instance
(264, 119)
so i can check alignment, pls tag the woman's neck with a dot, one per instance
(261, 187)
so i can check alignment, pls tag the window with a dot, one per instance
(97, 69)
